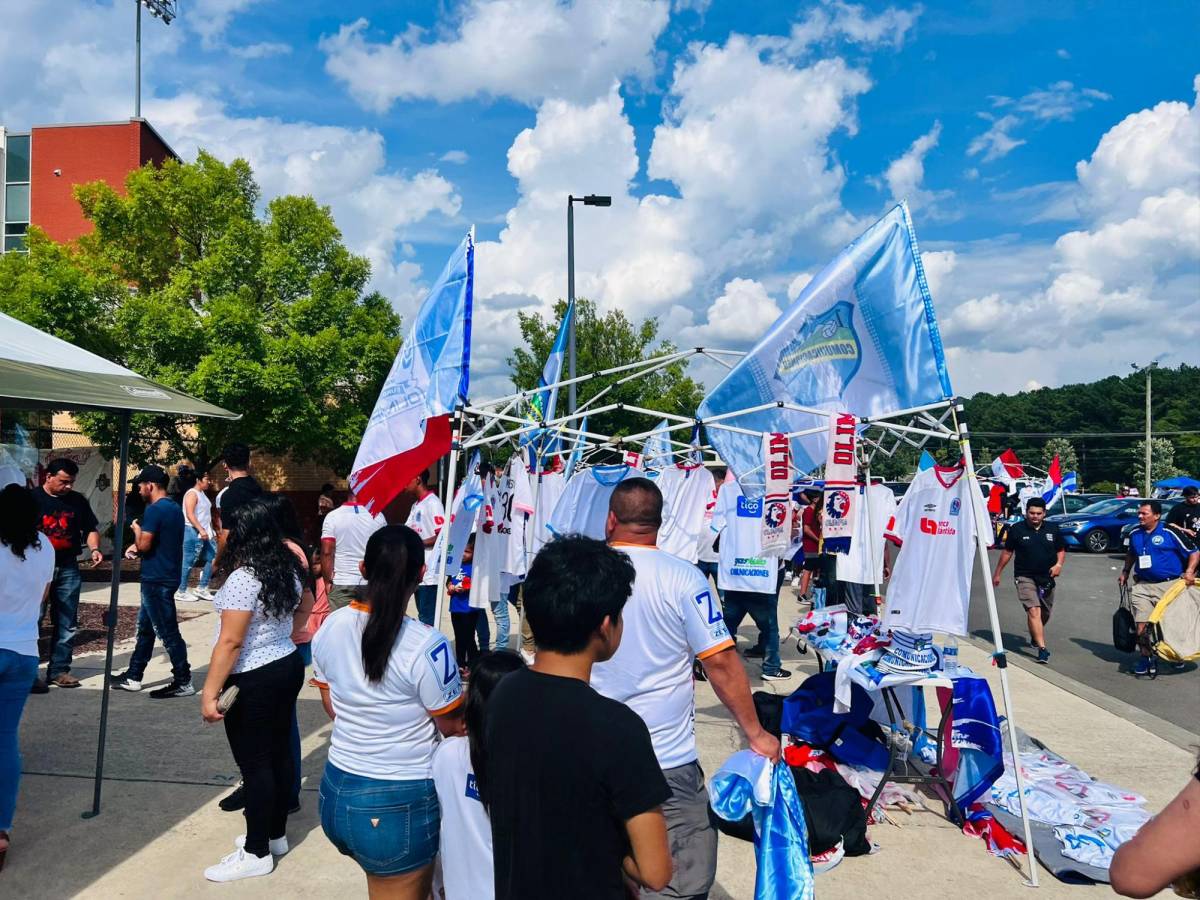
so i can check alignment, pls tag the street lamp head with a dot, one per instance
(161, 9)
(597, 200)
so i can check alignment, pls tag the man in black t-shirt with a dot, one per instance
(1185, 517)
(571, 782)
(69, 523)
(1040, 552)
(240, 488)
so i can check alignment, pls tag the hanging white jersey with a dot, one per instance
(583, 507)
(936, 525)
(489, 549)
(548, 489)
(704, 548)
(516, 504)
(671, 619)
(864, 563)
(686, 493)
(738, 520)
(466, 830)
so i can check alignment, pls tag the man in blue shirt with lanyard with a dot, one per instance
(1158, 556)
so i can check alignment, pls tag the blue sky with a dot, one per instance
(745, 143)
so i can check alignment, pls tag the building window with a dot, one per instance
(16, 191)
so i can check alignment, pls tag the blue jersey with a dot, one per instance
(1163, 550)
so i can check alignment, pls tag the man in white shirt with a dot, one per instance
(670, 620)
(426, 518)
(344, 535)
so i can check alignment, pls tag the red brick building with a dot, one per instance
(42, 166)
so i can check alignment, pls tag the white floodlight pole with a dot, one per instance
(1000, 656)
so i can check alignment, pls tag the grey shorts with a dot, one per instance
(692, 837)
(1031, 597)
(1145, 596)
(342, 595)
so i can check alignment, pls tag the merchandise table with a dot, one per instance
(901, 768)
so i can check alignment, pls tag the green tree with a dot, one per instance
(1063, 449)
(1162, 461)
(602, 342)
(266, 316)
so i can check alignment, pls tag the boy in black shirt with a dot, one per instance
(571, 781)
(1040, 552)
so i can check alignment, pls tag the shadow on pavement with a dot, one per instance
(1109, 653)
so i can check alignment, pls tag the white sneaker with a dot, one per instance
(204, 594)
(795, 581)
(240, 864)
(277, 846)
(185, 597)
(527, 656)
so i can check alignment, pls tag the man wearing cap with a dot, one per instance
(1040, 552)
(158, 540)
(1158, 556)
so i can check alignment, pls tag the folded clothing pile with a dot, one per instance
(909, 654)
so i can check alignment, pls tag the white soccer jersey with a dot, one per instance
(466, 841)
(671, 619)
(548, 489)
(686, 493)
(743, 567)
(704, 546)
(516, 504)
(936, 526)
(490, 546)
(583, 507)
(350, 526)
(864, 563)
(426, 518)
(384, 730)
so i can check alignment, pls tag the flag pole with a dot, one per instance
(1000, 657)
(447, 504)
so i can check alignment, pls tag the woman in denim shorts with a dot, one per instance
(390, 684)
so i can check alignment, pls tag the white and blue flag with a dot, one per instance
(861, 337)
(546, 398)
(1070, 482)
(656, 452)
(577, 452)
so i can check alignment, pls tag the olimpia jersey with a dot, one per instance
(515, 507)
(743, 567)
(686, 492)
(547, 490)
(936, 526)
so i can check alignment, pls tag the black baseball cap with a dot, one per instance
(152, 475)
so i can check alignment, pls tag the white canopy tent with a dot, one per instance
(40, 371)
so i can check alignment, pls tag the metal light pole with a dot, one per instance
(160, 9)
(1148, 370)
(588, 200)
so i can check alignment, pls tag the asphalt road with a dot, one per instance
(1079, 638)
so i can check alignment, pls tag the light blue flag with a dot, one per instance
(1070, 482)
(926, 461)
(545, 400)
(656, 452)
(861, 337)
(577, 452)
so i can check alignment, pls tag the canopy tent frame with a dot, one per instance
(915, 426)
(97, 385)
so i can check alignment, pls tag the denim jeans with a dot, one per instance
(16, 674)
(764, 610)
(64, 618)
(196, 552)
(305, 651)
(427, 603)
(500, 611)
(157, 617)
(710, 569)
(482, 632)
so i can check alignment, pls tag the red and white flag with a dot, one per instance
(1007, 468)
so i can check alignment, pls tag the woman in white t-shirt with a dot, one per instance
(259, 607)
(26, 570)
(390, 684)
(466, 833)
(199, 542)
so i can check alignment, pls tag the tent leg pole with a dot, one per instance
(1000, 655)
(447, 504)
(114, 593)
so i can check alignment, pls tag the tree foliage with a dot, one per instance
(602, 342)
(183, 282)
(1064, 450)
(1162, 461)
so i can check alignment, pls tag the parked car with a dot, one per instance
(1076, 502)
(1097, 528)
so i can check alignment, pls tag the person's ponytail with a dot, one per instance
(393, 561)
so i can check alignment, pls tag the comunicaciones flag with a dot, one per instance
(545, 400)
(410, 426)
(861, 337)
(576, 452)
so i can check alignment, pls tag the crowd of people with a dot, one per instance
(570, 773)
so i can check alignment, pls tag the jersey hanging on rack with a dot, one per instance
(547, 489)
(704, 546)
(743, 566)
(936, 526)
(873, 513)
(686, 491)
(516, 502)
(583, 507)
(489, 548)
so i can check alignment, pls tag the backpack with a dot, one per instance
(1174, 626)
(1123, 626)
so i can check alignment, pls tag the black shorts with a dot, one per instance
(812, 563)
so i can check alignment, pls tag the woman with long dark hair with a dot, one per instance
(26, 570)
(390, 684)
(258, 606)
(459, 772)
